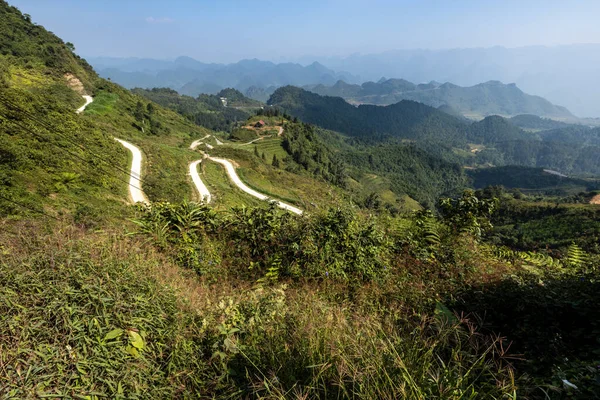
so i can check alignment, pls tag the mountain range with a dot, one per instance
(480, 100)
(565, 74)
(259, 79)
(192, 77)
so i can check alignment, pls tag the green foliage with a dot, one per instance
(575, 257)
(84, 328)
(468, 213)
(552, 320)
(409, 169)
(25, 44)
(243, 135)
(528, 178)
(104, 103)
(181, 230)
(206, 110)
(236, 99)
(496, 129)
(275, 161)
(308, 151)
(530, 225)
(267, 243)
(406, 119)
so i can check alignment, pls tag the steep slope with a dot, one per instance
(56, 161)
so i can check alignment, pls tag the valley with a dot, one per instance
(256, 230)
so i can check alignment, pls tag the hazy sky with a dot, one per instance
(229, 30)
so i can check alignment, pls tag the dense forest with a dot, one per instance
(307, 151)
(570, 150)
(206, 110)
(407, 119)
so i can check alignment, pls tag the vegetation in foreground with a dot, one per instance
(259, 303)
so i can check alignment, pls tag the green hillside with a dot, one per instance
(407, 119)
(365, 295)
(205, 110)
(493, 141)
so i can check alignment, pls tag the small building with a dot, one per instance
(259, 124)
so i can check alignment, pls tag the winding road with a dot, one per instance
(135, 191)
(238, 182)
(198, 142)
(88, 101)
(135, 185)
(233, 176)
(202, 189)
(137, 195)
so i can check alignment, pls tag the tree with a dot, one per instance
(275, 161)
(373, 201)
(256, 151)
(70, 46)
(468, 213)
(150, 109)
(139, 112)
(263, 156)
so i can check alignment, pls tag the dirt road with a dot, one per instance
(135, 185)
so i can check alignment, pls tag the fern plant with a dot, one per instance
(575, 257)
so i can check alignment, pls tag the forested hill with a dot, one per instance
(207, 110)
(480, 100)
(493, 141)
(25, 44)
(406, 119)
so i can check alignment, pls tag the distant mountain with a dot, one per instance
(192, 77)
(565, 75)
(260, 94)
(406, 119)
(493, 141)
(481, 100)
(535, 123)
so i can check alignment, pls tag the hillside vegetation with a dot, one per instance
(205, 110)
(487, 294)
(497, 142)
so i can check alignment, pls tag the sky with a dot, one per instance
(230, 30)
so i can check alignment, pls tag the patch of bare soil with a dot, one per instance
(595, 199)
(75, 84)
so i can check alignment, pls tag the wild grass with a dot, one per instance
(103, 315)
(104, 103)
(224, 193)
